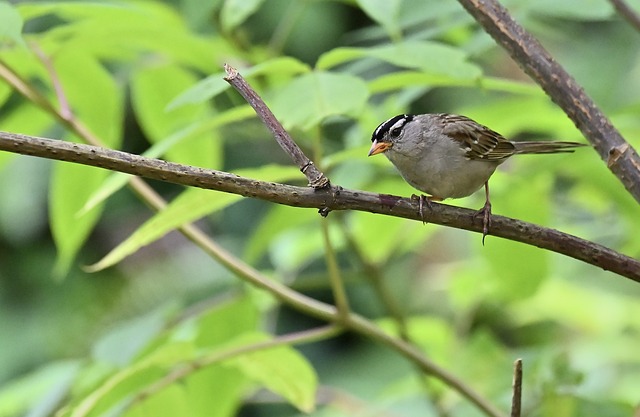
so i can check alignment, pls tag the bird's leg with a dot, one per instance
(486, 213)
(422, 201)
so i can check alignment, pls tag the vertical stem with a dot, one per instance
(335, 278)
(516, 400)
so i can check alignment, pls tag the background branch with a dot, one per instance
(627, 13)
(332, 198)
(621, 158)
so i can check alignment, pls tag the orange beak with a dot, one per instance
(379, 147)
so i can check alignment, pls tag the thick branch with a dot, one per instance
(331, 198)
(621, 158)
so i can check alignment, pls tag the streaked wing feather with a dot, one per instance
(480, 141)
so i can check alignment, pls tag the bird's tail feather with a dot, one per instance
(546, 147)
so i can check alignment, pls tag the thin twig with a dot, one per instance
(627, 13)
(362, 326)
(14, 79)
(333, 198)
(65, 109)
(376, 280)
(620, 157)
(333, 271)
(516, 400)
(375, 277)
(315, 177)
(186, 369)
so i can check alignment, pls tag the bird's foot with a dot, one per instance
(424, 200)
(485, 212)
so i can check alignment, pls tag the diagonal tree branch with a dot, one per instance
(627, 13)
(316, 178)
(621, 158)
(331, 198)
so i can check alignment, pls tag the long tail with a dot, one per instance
(546, 147)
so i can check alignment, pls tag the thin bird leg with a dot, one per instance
(486, 213)
(422, 201)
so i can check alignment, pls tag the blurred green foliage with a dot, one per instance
(146, 77)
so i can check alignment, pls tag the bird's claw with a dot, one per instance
(485, 211)
(422, 201)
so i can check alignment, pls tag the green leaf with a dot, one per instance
(432, 334)
(71, 185)
(215, 391)
(294, 248)
(339, 56)
(152, 89)
(11, 27)
(191, 205)
(226, 322)
(215, 328)
(482, 343)
(168, 402)
(49, 382)
(117, 390)
(281, 369)
(113, 393)
(280, 219)
(215, 84)
(429, 57)
(511, 281)
(587, 10)
(5, 93)
(235, 12)
(118, 180)
(25, 118)
(120, 345)
(404, 79)
(101, 110)
(116, 32)
(201, 91)
(312, 97)
(71, 11)
(385, 13)
(198, 13)
(381, 237)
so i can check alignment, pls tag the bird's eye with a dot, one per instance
(395, 132)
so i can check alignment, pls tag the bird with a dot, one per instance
(451, 156)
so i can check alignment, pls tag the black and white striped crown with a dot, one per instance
(396, 122)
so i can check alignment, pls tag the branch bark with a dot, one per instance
(621, 158)
(328, 198)
(516, 398)
(315, 177)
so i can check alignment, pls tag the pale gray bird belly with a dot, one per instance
(455, 177)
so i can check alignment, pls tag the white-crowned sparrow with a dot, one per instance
(450, 156)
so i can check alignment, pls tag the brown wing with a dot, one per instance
(479, 141)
